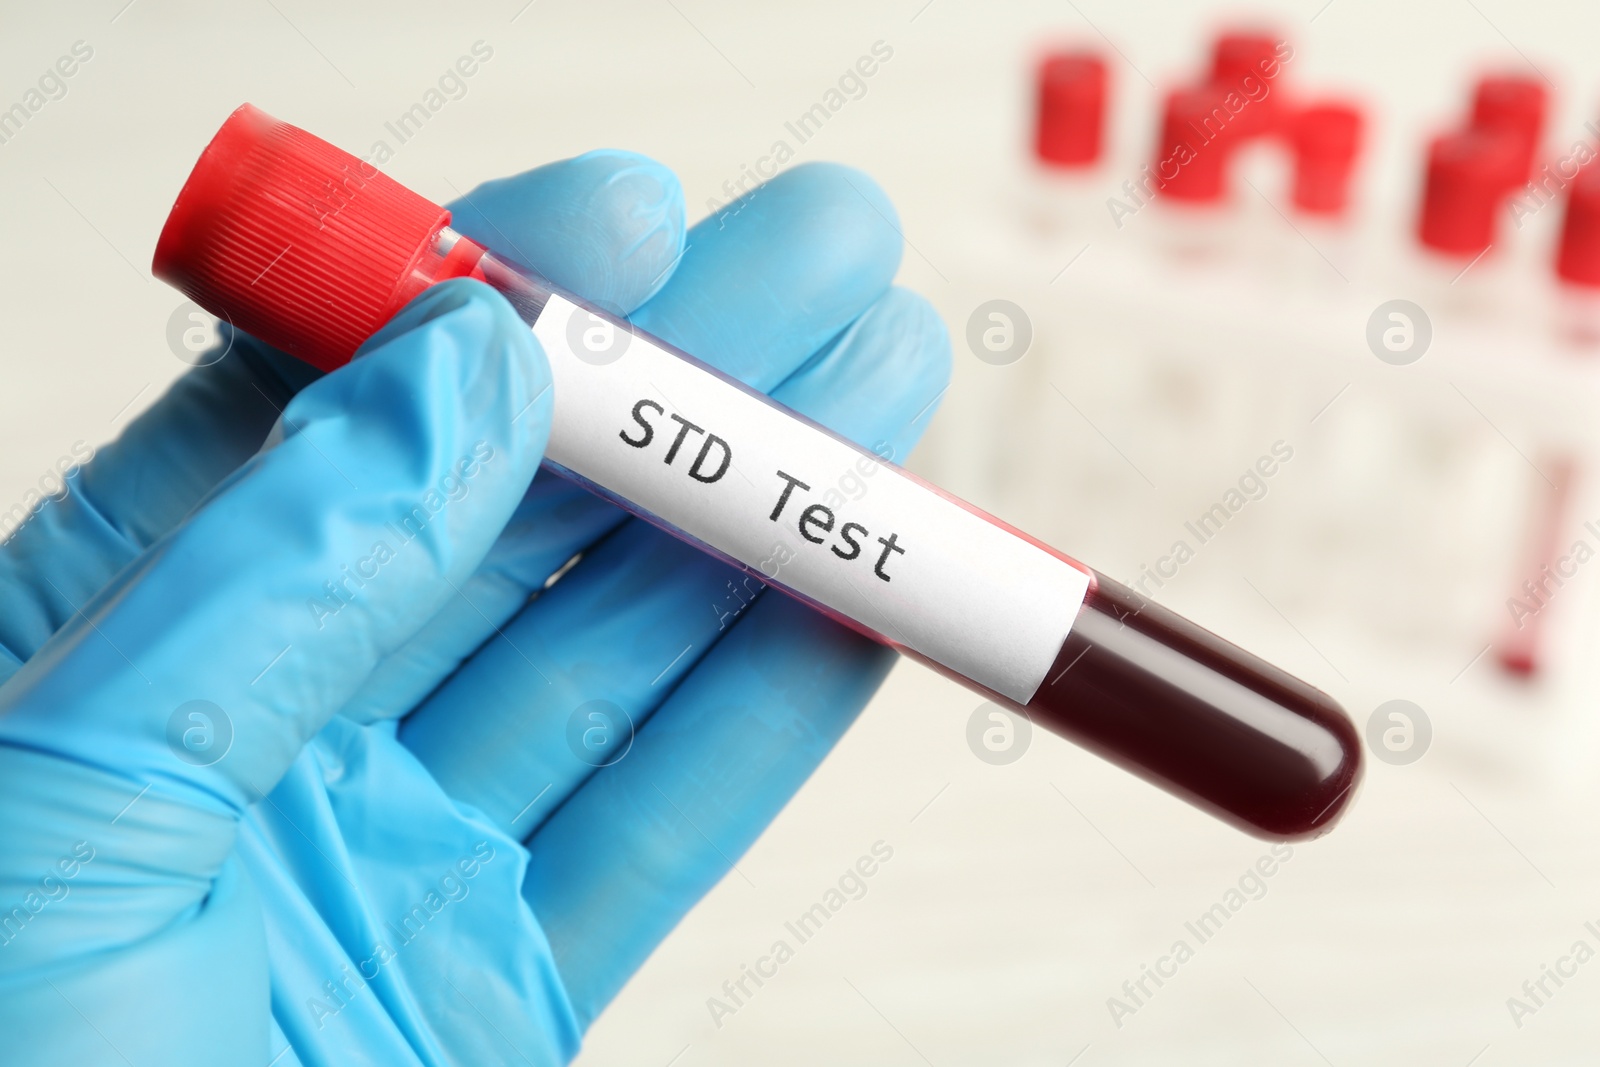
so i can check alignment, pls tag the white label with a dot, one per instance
(771, 491)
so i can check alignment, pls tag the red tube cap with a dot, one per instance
(1240, 63)
(1197, 133)
(1326, 139)
(1236, 54)
(1516, 105)
(293, 240)
(1579, 257)
(1465, 186)
(1072, 104)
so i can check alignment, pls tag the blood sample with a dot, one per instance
(1071, 108)
(1171, 701)
(312, 250)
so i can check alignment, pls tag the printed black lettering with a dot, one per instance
(783, 498)
(817, 516)
(686, 426)
(705, 451)
(889, 546)
(649, 431)
(844, 535)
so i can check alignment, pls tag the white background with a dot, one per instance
(1019, 897)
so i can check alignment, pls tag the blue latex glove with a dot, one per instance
(240, 828)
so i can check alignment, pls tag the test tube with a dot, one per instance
(312, 250)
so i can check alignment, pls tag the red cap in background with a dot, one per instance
(1237, 55)
(273, 218)
(1326, 139)
(1071, 108)
(1515, 105)
(1465, 185)
(1578, 258)
(1197, 133)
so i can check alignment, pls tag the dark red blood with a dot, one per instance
(1205, 720)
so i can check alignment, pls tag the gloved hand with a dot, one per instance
(289, 775)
